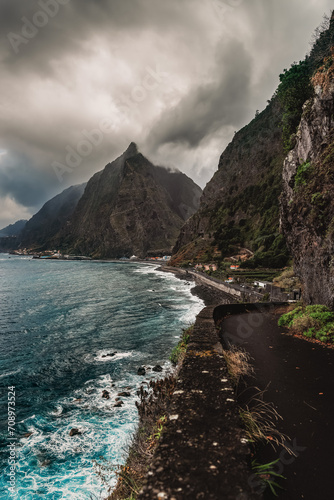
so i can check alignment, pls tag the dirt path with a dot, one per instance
(301, 378)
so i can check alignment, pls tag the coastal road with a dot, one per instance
(299, 377)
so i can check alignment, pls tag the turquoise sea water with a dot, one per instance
(57, 321)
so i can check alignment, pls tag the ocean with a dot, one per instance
(59, 321)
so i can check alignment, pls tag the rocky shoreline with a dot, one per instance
(188, 382)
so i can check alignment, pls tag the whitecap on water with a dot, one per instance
(57, 411)
(51, 445)
(112, 356)
(147, 269)
(55, 465)
(9, 374)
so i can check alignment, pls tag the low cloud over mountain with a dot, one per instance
(82, 79)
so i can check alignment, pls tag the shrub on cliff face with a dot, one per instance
(287, 280)
(315, 321)
(179, 350)
(304, 172)
(325, 74)
(269, 259)
(294, 90)
(287, 319)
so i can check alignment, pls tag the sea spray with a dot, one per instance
(59, 322)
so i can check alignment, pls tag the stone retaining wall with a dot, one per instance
(202, 453)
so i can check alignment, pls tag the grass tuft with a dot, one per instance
(179, 351)
(267, 475)
(238, 363)
(260, 418)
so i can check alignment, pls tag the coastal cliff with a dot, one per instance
(307, 206)
(273, 206)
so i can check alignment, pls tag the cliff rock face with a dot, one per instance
(239, 210)
(131, 207)
(307, 201)
(51, 217)
(239, 206)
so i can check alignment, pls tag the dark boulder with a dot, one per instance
(141, 371)
(157, 368)
(105, 394)
(124, 394)
(46, 463)
(75, 432)
(27, 435)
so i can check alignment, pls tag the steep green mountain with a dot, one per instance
(240, 205)
(51, 217)
(13, 229)
(130, 207)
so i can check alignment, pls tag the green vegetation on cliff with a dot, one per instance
(178, 353)
(294, 90)
(315, 321)
(240, 205)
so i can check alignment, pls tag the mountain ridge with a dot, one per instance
(130, 207)
(240, 206)
(50, 218)
(13, 229)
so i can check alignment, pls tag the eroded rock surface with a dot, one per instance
(307, 201)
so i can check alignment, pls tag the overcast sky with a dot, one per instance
(81, 79)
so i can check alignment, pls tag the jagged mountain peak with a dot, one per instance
(130, 207)
(118, 163)
(131, 151)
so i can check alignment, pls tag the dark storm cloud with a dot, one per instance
(207, 108)
(20, 180)
(177, 77)
(69, 26)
